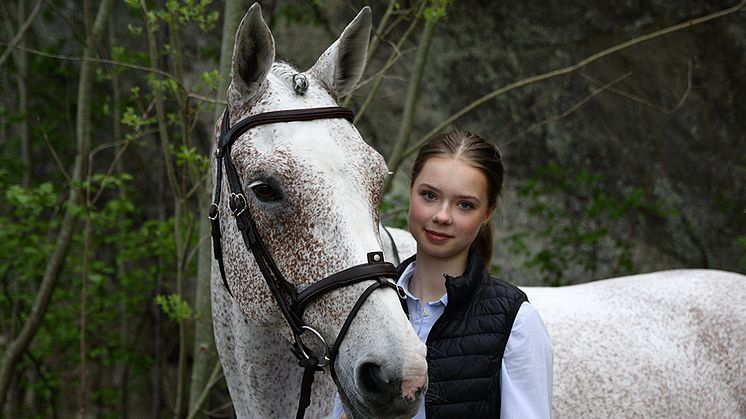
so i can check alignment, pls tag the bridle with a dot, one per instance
(291, 303)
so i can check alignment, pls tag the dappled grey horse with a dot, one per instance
(669, 343)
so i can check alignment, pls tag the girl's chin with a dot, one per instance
(440, 252)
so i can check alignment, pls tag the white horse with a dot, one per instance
(667, 344)
(313, 189)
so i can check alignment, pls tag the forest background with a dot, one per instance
(622, 125)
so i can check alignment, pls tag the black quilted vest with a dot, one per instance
(466, 344)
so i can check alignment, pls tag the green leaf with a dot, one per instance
(175, 307)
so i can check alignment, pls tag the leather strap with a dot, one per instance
(273, 117)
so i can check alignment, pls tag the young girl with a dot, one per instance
(488, 352)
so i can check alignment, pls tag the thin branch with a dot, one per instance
(93, 60)
(21, 31)
(57, 159)
(215, 376)
(118, 64)
(197, 185)
(412, 96)
(120, 151)
(569, 111)
(566, 70)
(646, 102)
(393, 58)
(378, 31)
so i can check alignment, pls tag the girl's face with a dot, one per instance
(448, 203)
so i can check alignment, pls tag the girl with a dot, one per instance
(488, 352)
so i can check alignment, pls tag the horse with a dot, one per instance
(299, 260)
(668, 343)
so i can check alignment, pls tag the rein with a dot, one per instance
(292, 304)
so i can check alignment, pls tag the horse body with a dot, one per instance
(313, 188)
(662, 344)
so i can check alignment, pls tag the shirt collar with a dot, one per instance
(404, 279)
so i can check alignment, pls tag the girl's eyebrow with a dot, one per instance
(426, 185)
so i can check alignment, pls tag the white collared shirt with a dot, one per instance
(526, 370)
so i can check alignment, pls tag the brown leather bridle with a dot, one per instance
(290, 301)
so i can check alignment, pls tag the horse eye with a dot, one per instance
(264, 192)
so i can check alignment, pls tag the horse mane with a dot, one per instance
(283, 72)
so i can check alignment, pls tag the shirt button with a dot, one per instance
(425, 312)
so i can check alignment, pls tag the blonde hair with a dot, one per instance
(480, 154)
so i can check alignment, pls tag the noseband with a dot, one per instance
(291, 303)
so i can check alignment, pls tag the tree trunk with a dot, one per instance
(56, 260)
(204, 341)
(23, 124)
(413, 93)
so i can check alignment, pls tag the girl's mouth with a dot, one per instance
(436, 237)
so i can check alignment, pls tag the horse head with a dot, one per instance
(313, 189)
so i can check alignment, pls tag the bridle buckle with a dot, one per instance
(213, 212)
(237, 202)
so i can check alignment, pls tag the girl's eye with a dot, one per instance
(264, 192)
(465, 205)
(428, 195)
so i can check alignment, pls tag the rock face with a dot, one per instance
(636, 162)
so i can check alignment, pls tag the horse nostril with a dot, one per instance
(373, 380)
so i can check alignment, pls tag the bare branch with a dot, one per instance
(21, 31)
(646, 102)
(569, 111)
(393, 57)
(564, 71)
(119, 64)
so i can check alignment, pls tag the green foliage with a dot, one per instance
(436, 10)
(24, 224)
(175, 307)
(183, 12)
(189, 156)
(125, 262)
(394, 209)
(562, 237)
(209, 80)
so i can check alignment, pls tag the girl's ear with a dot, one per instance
(490, 213)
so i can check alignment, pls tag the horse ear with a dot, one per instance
(340, 67)
(253, 54)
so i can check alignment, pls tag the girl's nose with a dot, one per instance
(442, 216)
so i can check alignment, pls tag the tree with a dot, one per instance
(83, 130)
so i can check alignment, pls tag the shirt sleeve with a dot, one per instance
(337, 410)
(526, 372)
